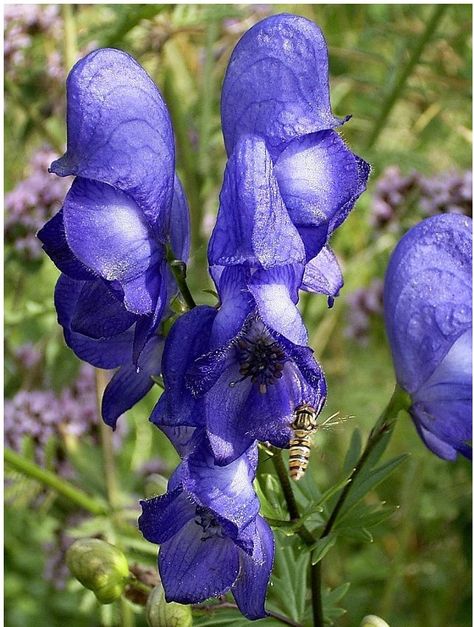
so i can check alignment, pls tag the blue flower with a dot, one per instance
(124, 212)
(212, 539)
(428, 315)
(238, 377)
(276, 96)
(126, 205)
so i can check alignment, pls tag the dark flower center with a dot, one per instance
(205, 519)
(260, 357)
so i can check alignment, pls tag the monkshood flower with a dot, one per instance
(124, 214)
(212, 538)
(428, 315)
(237, 377)
(276, 91)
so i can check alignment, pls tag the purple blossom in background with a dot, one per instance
(447, 192)
(363, 305)
(212, 539)
(390, 195)
(428, 315)
(33, 201)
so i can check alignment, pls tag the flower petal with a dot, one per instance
(187, 339)
(103, 352)
(53, 237)
(192, 570)
(163, 516)
(108, 233)
(225, 403)
(227, 490)
(427, 296)
(131, 383)
(180, 233)
(251, 586)
(319, 180)
(276, 292)
(119, 130)
(253, 225)
(277, 83)
(236, 304)
(323, 275)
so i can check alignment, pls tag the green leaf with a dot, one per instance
(354, 451)
(268, 491)
(287, 591)
(321, 547)
(363, 484)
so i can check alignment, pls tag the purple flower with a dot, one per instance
(278, 131)
(124, 213)
(212, 539)
(238, 377)
(428, 315)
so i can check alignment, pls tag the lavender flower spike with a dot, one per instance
(428, 315)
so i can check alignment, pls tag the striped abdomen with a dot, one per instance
(300, 449)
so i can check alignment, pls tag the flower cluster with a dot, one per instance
(33, 201)
(396, 194)
(363, 304)
(234, 374)
(430, 330)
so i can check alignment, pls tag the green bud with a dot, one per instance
(155, 485)
(100, 567)
(159, 613)
(373, 621)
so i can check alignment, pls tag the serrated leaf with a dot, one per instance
(287, 591)
(321, 547)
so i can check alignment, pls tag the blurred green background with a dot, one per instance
(404, 73)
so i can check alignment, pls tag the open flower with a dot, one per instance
(276, 93)
(115, 224)
(237, 377)
(428, 315)
(212, 539)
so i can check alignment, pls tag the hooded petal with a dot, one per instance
(131, 383)
(275, 293)
(163, 516)
(277, 83)
(251, 586)
(187, 339)
(323, 275)
(320, 179)
(427, 296)
(108, 233)
(193, 570)
(119, 131)
(227, 490)
(107, 352)
(253, 226)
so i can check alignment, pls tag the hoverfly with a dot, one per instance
(304, 426)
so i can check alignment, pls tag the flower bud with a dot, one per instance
(159, 613)
(100, 567)
(373, 621)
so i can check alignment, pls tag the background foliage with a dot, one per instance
(404, 74)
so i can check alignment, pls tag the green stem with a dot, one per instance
(305, 535)
(179, 271)
(207, 98)
(51, 480)
(405, 72)
(384, 425)
(70, 37)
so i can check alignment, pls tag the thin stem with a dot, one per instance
(179, 271)
(70, 37)
(107, 445)
(305, 535)
(384, 425)
(402, 78)
(62, 487)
